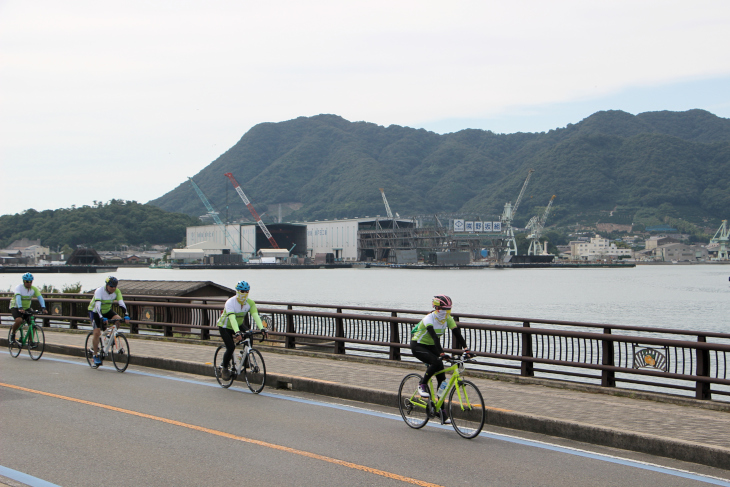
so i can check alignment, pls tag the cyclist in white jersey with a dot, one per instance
(100, 311)
(231, 321)
(24, 293)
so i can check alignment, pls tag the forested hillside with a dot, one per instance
(612, 165)
(102, 226)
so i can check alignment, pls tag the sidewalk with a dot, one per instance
(685, 432)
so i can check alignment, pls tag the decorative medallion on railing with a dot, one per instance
(651, 357)
(148, 313)
(57, 309)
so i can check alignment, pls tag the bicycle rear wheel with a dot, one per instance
(254, 369)
(218, 367)
(120, 352)
(88, 349)
(466, 408)
(15, 347)
(36, 341)
(413, 408)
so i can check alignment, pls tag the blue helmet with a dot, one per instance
(243, 286)
(112, 281)
(27, 277)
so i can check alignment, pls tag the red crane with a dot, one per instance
(252, 209)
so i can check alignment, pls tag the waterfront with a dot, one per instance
(687, 297)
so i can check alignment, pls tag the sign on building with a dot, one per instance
(497, 226)
(478, 227)
(487, 226)
(458, 225)
(469, 226)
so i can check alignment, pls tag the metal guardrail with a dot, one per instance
(636, 357)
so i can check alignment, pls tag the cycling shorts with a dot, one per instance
(16, 313)
(96, 320)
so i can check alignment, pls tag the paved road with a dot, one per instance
(147, 427)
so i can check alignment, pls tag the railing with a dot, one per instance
(661, 359)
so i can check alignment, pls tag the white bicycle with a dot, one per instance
(113, 343)
(248, 360)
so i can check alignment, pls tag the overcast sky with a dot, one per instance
(102, 100)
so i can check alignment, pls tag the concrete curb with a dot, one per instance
(597, 435)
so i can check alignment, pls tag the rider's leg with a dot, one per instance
(18, 321)
(427, 354)
(96, 332)
(227, 336)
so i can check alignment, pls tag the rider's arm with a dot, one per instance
(233, 320)
(255, 314)
(120, 301)
(19, 301)
(458, 340)
(39, 296)
(436, 339)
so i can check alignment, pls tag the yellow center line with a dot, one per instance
(232, 437)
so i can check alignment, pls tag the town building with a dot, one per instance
(655, 241)
(597, 249)
(679, 252)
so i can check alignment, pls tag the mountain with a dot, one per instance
(648, 166)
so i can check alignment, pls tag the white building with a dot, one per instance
(597, 249)
(212, 238)
(338, 237)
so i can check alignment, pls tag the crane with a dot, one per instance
(721, 237)
(509, 214)
(387, 209)
(536, 225)
(251, 209)
(216, 218)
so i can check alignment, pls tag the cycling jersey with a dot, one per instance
(234, 313)
(102, 301)
(23, 297)
(420, 333)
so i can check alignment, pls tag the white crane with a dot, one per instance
(721, 237)
(508, 216)
(251, 209)
(214, 214)
(387, 209)
(536, 225)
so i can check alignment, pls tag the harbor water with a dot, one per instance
(694, 297)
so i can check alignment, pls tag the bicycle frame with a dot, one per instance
(439, 402)
(243, 355)
(107, 337)
(30, 320)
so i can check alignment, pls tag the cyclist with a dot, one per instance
(231, 321)
(426, 342)
(24, 293)
(100, 311)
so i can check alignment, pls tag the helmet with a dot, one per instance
(243, 286)
(27, 277)
(442, 301)
(112, 281)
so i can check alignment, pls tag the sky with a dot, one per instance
(125, 100)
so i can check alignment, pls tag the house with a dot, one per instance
(597, 249)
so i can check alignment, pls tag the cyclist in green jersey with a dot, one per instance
(24, 293)
(426, 341)
(231, 321)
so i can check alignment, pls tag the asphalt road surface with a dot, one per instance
(66, 424)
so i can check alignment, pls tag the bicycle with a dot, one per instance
(112, 342)
(30, 335)
(248, 360)
(465, 402)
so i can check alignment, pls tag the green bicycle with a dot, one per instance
(28, 334)
(461, 400)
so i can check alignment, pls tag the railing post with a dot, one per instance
(394, 338)
(339, 333)
(168, 320)
(527, 368)
(290, 342)
(608, 377)
(204, 332)
(702, 389)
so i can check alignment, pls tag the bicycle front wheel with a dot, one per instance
(413, 408)
(120, 352)
(254, 370)
(89, 349)
(15, 347)
(36, 341)
(218, 367)
(466, 408)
